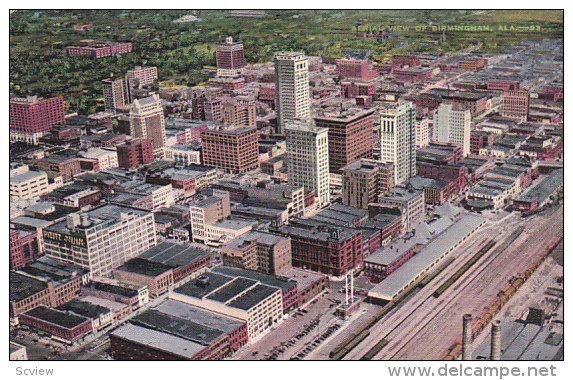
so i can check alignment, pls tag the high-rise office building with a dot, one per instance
(307, 149)
(292, 88)
(116, 94)
(364, 181)
(398, 140)
(34, 117)
(453, 124)
(230, 58)
(350, 136)
(236, 150)
(147, 121)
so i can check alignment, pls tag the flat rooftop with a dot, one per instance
(252, 297)
(520, 341)
(61, 318)
(180, 327)
(47, 268)
(196, 289)
(158, 340)
(25, 177)
(144, 267)
(543, 189)
(233, 291)
(279, 282)
(22, 287)
(174, 254)
(200, 316)
(85, 309)
(123, 291)
(437, 248)
(109, 213)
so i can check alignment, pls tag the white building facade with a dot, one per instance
(292, 88)
(453, 125)
(398, 140)
(308, 166)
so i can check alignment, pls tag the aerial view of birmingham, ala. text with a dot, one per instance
(286, 185)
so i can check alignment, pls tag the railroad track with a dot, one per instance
(482, 261)
(391, 315)
(450, 323)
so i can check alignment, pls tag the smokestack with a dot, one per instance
(467, 350)
(495, 353)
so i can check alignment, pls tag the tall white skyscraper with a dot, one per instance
(307, 149)
(398, 140)
(453, 124)
(292, 88)
(147, 121)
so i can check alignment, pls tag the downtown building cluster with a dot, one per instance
(232, 204)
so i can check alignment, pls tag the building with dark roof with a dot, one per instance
(324, 248)
(247, 299)
(100, 316)
(175, 330)
(66, 326)
(44, 282)
(540, 194)
(289, 288)
(157, 276)
(185, 260)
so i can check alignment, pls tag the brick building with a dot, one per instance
(230, 58)
(45, 282)
(259, 251)
(96, 50)
(329, 250)
(24, 248)
(66, 326)
(178, 331)
(234, 150)
(356, 69)
(479, 140)
(34, 117)
(135, 153)
(59, 166)
(357, 89)
(515, 104)
(350, 136)
(364, 180)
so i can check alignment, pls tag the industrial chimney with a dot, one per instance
(467, 350)
(495, 353)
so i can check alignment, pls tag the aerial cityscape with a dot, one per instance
(286, 185)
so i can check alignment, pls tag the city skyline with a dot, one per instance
(382, 194)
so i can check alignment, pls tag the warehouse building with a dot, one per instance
(175, 330)
(260, 305)
(395, 284)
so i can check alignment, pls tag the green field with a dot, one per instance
(39, 65)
